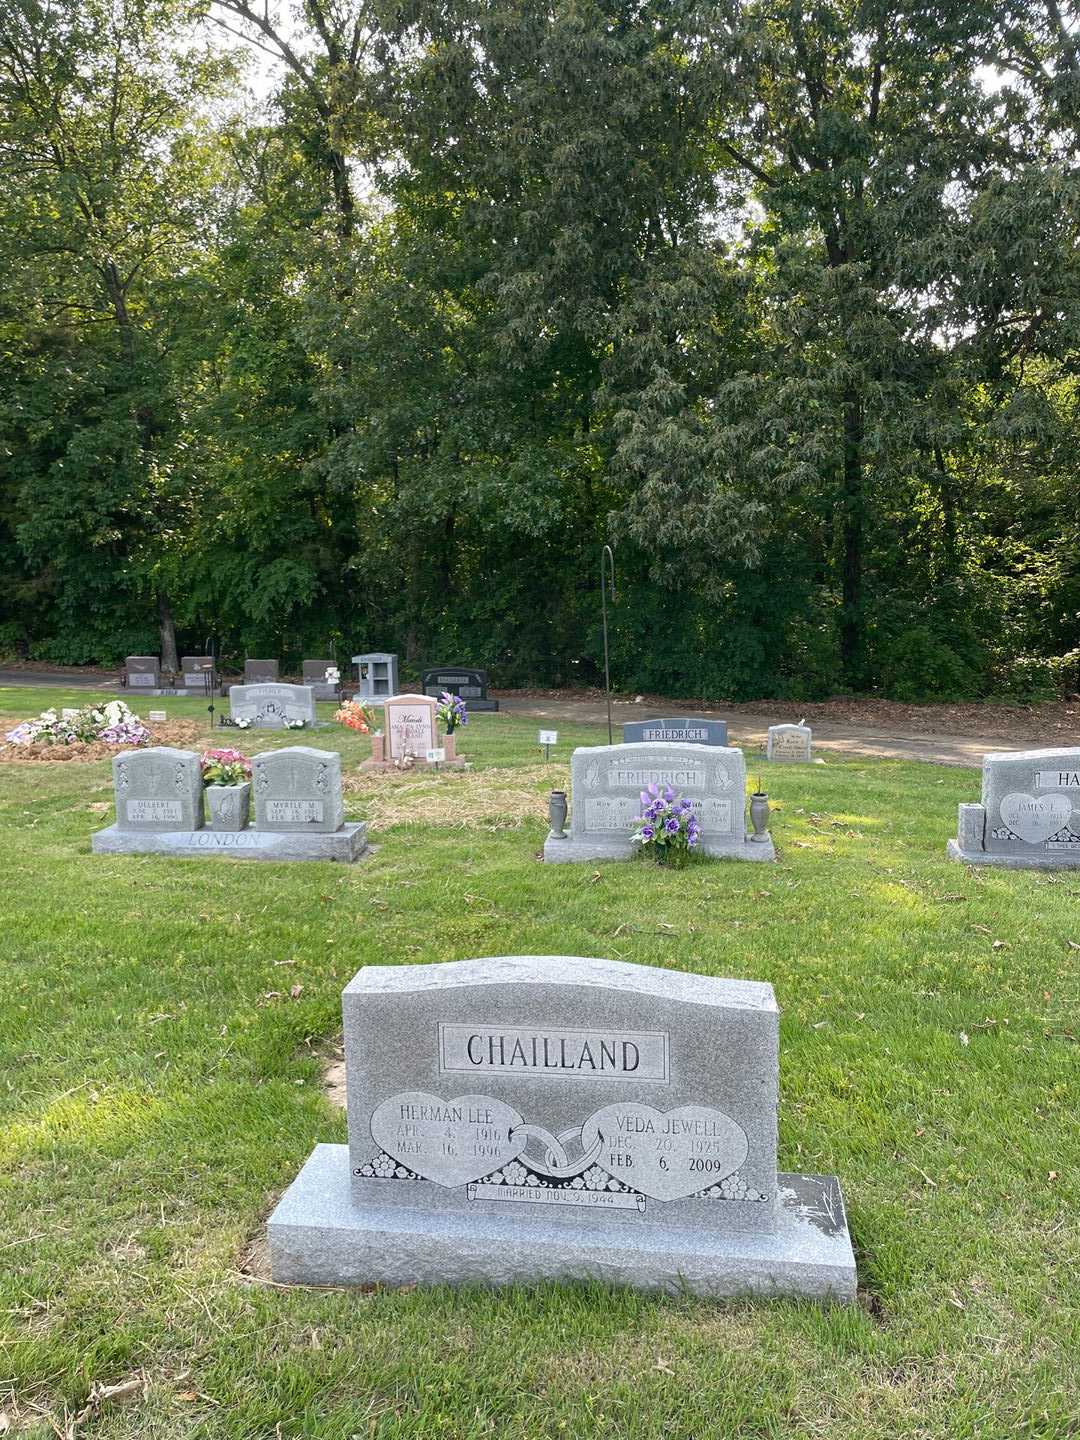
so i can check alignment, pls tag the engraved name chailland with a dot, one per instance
(547, 1051)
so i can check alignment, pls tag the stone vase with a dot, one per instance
(450, 745)
(228, 805)
(378, 746)
(759, 817)
(557, 809)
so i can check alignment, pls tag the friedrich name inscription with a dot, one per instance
(519, 1050)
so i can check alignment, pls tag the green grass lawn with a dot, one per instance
(160, 1087)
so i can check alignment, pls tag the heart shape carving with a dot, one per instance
(1035, 818)
(449, 1142)
(667, 1155)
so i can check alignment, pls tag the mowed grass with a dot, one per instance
(161, 1085)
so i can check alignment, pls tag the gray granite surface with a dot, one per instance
(347, 844)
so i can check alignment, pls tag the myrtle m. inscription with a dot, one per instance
(619, 1157)
(527, 1050)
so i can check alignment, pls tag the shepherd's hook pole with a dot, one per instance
(607, 554)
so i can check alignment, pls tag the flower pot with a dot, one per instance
(759, 817)
(228, 805)
(557, 814)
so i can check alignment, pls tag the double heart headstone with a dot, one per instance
(525, 1117)
(1029, 813)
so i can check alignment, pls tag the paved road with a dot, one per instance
(745, 729)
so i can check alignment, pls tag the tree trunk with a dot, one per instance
(851, 623)
(169, 658)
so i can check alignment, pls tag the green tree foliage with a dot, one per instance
(783, 300)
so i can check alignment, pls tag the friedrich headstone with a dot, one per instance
(298, 789)
(315, 676)
(272, 706)
(463, 680)
(409, 725)
(260, 672)
(158, 789)
(789, 743)
(143, 672)
(680, 730)
(606, 783)
(528, 1118)
(1029, 816)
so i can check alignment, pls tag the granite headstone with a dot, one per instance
(315, 676)
(143, 672)
(789, 743)
(681, 730)
(197, 673)
(1029, 814)
(606, 782)
(260, 672)
(272, 706)
(409, 725)
(524, 1118)
(159, 788)
(298, 789)
(464, 680)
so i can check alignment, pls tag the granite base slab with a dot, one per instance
(569, 851)
(319, 1237)
(346, 844)
(1044, 861)
(418, 767)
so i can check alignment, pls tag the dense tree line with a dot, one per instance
(782, 299)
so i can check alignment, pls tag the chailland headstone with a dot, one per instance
(464, 680)
(1029, 814)
(791, 743)
(157, 789)
(680, 730)
(527, 1118)
(606, 782)
(143, 672)
(272, 706)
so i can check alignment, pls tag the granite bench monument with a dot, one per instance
(606, 782)
(527, 1118)
(1029, 815)
(299, 811)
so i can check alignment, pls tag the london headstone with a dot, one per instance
(606, 783)
(260, 672)
(789, 743)
(143, 672)
(315, 672)
(524, 1118)
(1029, 814)
(272, 706)
(298, 789)
(156, 789)
(409, 725)
(680, 730)
(471, 684)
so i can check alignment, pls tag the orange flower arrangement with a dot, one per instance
(355, 716)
